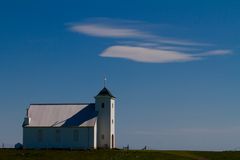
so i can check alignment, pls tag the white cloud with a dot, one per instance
(106, 31)
(141, 54)
(137, 42)
(108, 28)
(181, 42)
(157, 46)
(216, 52)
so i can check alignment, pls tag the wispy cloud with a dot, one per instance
(179, 42)
(217, 52)
(149, 55)
(143, 45)
(106, 31)
(158, 46)
(126, 29)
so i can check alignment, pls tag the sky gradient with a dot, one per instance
(173, 66)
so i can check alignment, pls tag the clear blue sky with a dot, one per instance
(173, 66)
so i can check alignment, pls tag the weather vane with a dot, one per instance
(105, 80)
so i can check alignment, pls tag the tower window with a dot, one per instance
(112, 105)
(102, 105)
(112, 121)
(102, 136)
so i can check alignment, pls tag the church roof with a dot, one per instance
(105, 92)
(62, 115)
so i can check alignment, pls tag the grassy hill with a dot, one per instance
(11, 154)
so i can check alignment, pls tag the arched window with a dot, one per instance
(112, 141)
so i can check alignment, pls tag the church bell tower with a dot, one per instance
(105, 106)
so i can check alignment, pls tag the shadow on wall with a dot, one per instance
(82, 116)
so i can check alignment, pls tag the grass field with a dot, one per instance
(11, 154)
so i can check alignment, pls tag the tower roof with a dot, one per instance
(105, 92)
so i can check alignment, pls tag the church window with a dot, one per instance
(112, 105)
(75, 135)
(102, 136)
(112, 121)
(40, 136)
(58, 136)
(102, 105)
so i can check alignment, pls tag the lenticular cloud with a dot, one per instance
(141, 54)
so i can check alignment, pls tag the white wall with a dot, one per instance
(95, 136)
(50, 140)
(113, 123)
(104, 123)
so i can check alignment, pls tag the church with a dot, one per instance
(71, 125)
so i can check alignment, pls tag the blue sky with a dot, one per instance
(173, 66)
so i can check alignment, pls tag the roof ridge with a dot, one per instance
(61, 103)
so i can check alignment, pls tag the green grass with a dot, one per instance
(11, 154)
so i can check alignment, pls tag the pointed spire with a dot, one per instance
(105, 92)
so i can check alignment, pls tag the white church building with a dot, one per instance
(70, 125)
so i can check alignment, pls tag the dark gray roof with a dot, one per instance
(105, 92)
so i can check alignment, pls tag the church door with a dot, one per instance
(112, 141)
